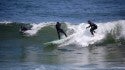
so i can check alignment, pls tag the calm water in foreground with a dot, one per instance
(34, 57)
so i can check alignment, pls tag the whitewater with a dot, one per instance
(40, 49)
(79, 35)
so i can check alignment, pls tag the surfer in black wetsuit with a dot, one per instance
(22, 28)
(93, 27)
(59, 30)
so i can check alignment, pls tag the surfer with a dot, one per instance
(59, 30)
(22, 29)
(93, 27)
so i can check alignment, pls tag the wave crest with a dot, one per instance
(107, 33)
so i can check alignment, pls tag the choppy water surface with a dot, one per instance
(39, 47)
(33, 57)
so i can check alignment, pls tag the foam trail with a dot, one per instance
(79, 35)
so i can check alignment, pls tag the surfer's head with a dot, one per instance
(89, 22)
(57, 22)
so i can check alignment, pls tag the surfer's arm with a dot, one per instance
(88, 27)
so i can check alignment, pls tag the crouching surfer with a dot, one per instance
(23, 29)
(93, 27)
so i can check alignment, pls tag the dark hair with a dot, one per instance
(89, 22)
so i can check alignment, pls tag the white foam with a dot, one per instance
(36, 27)
(82, 36)
(5, 22)
(79, 35)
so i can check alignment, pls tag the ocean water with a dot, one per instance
(36, 11)
(39, 47)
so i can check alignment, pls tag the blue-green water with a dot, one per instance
(39, 47)
(79, 51)
(35, 57)
(64, 10)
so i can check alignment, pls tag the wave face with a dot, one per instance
(45, 33)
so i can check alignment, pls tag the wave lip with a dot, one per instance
(36, 27)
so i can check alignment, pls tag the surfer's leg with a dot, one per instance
(94, 29)
(58, 32)
(91, 30)
(59, 35)
(63, 32)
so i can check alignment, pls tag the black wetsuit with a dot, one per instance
(59, 30)
(93, 27)
(23, 29)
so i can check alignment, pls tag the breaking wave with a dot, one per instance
(107, 33)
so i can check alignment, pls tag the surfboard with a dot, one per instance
(56, 42)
